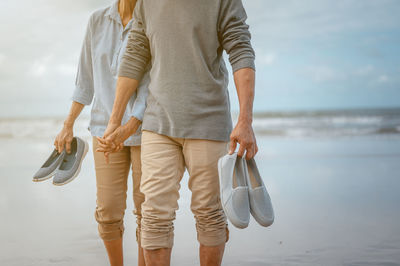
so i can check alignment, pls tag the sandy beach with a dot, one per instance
(326, 114)
(336, 202)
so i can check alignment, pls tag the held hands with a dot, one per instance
(115, 135)
(244, 135)
(64, 138)
(107, 146)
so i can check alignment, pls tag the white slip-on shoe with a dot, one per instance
(234, 189)
(260, 201)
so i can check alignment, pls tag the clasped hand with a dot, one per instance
(115, 135)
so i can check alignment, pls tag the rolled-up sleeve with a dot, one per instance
(137, 54)
(234, 34)
(84, 88)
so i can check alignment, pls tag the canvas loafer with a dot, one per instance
(71, 164)
(49, 168)
(234, 190)
(260, 201)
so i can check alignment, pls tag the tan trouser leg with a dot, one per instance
(201, 158)
(163, 161)
(163, 167)
(111, 181)
(138, 196)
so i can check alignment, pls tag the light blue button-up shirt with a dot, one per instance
(103, 47)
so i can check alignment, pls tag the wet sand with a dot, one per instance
(336, 203)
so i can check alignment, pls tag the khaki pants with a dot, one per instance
(111, 180)
(163, 163)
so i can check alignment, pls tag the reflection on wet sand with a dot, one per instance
(336, 203)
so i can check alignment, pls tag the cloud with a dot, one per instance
(39, 51)
(365, 70)
(322, 73)
(66, 69)
(39, 67)
(282, 21)
(265, 59)
(367, 75)
(383, 78)
(42, 47)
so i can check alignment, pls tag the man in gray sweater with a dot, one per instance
(187, 122)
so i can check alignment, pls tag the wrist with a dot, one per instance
(68, 124)
(114, 121)
(248, 120)
(133, 123)
(116, 116)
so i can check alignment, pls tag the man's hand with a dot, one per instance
(115, 135)
(244, 135)
(64, 138)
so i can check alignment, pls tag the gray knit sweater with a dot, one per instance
(184, 41)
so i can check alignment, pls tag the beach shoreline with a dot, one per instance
(333, 179)
(335, 202)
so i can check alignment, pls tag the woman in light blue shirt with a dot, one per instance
(103, 47)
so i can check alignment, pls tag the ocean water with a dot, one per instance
(302, 124)
(334, 180)
(339, 123)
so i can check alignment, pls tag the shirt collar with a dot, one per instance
(112, 12)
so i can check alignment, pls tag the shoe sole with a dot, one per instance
(260, 221)
(237, 224)
(44, 178)
(79, 167)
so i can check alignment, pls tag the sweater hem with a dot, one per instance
(216, 134)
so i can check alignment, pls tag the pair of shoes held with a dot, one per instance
(243, 192)
(63, 166)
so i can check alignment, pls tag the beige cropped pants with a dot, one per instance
(163, 163)
(111, 180)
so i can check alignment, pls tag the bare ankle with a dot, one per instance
(211, 256)
(157, 257)
(115, 252)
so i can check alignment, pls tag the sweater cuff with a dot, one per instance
(247, 62)
(130, 70)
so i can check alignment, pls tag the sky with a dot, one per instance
(310, 54)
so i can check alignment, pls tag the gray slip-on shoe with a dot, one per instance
(71, 165)
(48, 169)
(260, 201)
(234, 189)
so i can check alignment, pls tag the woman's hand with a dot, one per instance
(114, 136)
(64, 138)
